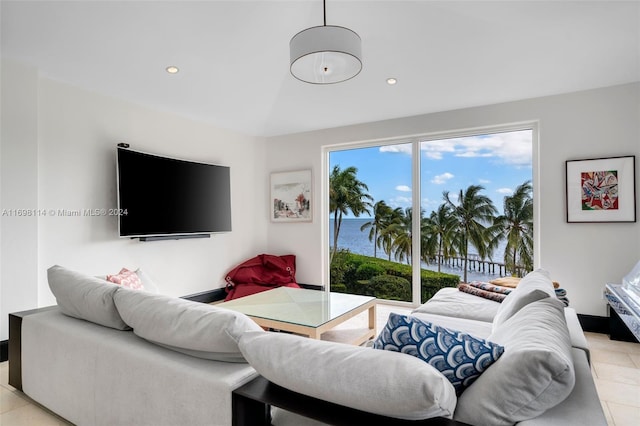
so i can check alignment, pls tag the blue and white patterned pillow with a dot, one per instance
(457, 355)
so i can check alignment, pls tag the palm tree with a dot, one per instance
(516, 225)
(346, 194)
(380, 212)
(401, 234)
(440, 226)
(386, 238)
(472, 211)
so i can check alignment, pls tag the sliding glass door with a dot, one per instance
(409, 217)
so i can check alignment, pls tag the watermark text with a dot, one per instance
(63, 212)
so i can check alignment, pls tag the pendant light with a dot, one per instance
(325, 54)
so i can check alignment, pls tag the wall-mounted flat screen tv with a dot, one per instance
(167, 197)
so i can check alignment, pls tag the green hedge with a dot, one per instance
(368, 270)
(358, 274)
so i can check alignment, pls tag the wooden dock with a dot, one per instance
(474, 263)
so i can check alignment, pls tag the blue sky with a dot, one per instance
(499, 162)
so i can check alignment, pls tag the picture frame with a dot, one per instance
(601, 190)
(291, 196)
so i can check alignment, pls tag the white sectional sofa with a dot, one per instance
(543, 377)
(82, 360)
(186, 363)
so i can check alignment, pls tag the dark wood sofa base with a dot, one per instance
(251, 407)
(15, 344)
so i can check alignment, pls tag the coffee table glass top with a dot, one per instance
(309, 308)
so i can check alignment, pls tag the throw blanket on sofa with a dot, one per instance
(490, 287)
(561, 294)
(512, 282)
(487, 294)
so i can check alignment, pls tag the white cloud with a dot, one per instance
(442, 179)
(435, 149)
(403, 188)
(504, 191)
(429, 204)
(512, 148)
(404, 148)
(402, 202)
(484, 181)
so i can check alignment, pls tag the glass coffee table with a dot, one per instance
(306, 312)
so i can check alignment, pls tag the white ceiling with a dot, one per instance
(234, 55)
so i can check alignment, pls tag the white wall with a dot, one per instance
(590, 124)
(62, 153)
(58, 152)
(18, 190)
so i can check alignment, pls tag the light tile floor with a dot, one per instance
(615, 368)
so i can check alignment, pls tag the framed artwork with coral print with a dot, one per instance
(601, 189)
(291, 196)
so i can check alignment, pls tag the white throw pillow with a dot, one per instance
(534, 374)
(193, 328)
(85, 297)
(534, 286)
(381, 382)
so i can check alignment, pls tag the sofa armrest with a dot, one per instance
(578, 339)
(251, 407)
(582, 406)
(15, 344)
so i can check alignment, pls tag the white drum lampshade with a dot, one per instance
(325, 54)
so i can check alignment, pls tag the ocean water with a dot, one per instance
(357, 241)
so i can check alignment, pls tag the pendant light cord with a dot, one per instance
(324, 9)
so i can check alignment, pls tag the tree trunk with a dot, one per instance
(375, 243)
(337, 220)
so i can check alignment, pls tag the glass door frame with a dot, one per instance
(416, 140)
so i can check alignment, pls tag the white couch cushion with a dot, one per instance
(452, 302)
(581, 406)
(534, 286)
(480, 329)
(381, 382)
(85, 297)
(578, 339)
(534, 374)
(193, 328)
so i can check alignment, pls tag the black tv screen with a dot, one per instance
(160, 196)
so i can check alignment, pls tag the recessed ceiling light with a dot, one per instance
(391, 81)
(172, 69)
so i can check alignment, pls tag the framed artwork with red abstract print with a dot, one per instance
(601, 190)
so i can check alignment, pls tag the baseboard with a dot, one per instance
(207, 296)
(311, 286)
(217, 294)
(4, 350)
(618, 330)
(594, 323)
